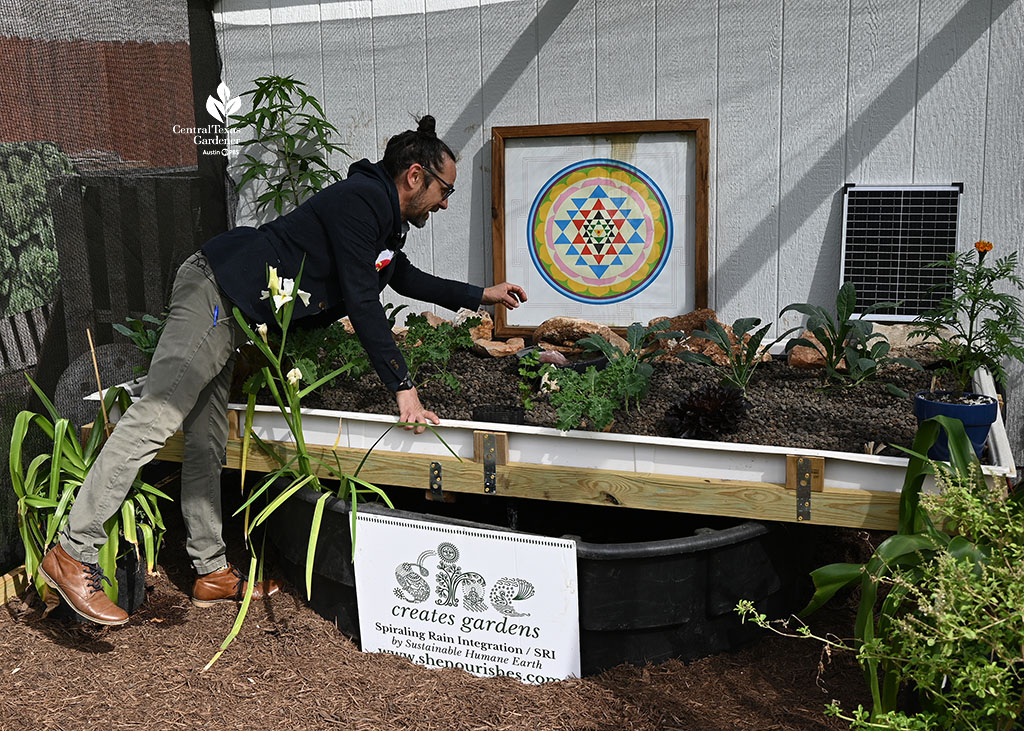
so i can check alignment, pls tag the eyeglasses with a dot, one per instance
(448, 187)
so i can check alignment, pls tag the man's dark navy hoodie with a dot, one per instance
(339, 233)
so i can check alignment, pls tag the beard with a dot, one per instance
(419, 212)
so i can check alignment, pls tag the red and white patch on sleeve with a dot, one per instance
(384, 259)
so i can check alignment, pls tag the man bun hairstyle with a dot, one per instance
(420, 145)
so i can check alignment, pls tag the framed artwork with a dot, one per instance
(607, 221)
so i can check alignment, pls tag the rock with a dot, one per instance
(706, 347)
(565, 331)
(711, 349)
(483, 331)
(434, 320)
(686, 324)
(552, 356)
(497, 348)
(558, 348)
(347, 324)
(689, 322)
(801, 356)
(920, 349)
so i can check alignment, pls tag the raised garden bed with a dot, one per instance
(729, 478)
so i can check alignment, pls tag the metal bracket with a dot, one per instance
(435, 481)
(803, 488)
(490, 463)
(804, 475)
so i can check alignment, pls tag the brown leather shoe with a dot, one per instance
(228, 585)
(81, 585)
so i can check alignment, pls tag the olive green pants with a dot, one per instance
(187, 387)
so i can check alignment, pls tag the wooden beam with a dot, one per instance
(500, 445)
(735, 498)
(817, 472)
(13, 584)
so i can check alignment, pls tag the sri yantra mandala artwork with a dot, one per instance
(600, 231)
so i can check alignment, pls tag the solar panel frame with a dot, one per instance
(890, 235)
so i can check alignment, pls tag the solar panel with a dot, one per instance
(890, 235)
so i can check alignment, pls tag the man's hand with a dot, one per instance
(412, 411)
(506, 294)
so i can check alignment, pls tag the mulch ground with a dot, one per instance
(290, 669)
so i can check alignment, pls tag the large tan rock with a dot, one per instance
(558, 333)
(434, 320)
(686, 324)
(920, 349)
(711, 349)
(571, 349)
(801, 356)
(690, 321)
(347, 324)
(498, 348)
(483, 331)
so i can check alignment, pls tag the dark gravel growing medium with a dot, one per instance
(789, 407)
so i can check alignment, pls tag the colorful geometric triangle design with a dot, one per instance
(595, 222)
(599, 231)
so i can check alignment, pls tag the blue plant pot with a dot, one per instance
(976, 418)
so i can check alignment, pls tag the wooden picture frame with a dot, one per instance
(529, 153)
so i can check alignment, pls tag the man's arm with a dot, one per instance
(410, 281)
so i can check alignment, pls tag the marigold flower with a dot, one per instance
(983, 246)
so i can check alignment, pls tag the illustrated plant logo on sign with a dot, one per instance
(451, 579)
(600, 231)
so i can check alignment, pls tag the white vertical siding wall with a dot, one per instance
(803, 96)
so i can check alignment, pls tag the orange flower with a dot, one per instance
(983, 246)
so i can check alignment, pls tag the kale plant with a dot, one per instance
(844, 342)
(596, 394)
(315, 351)
(428, 349)
(529, 373)
(744, 359)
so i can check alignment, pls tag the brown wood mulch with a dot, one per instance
(291, 669)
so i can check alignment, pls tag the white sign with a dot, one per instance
(489, 602)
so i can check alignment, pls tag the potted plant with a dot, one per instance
(46, 490)
(986, 325)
